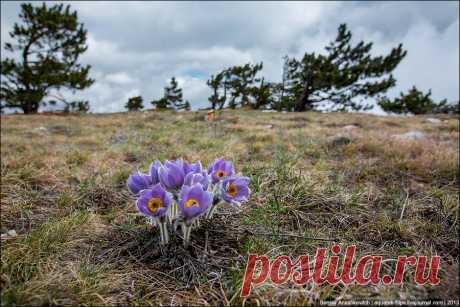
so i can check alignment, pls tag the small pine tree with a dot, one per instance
(448, 108)
(415, 102)
(134, 104)
(79, 106)
(160, 104)
(172, 98)
(218, 84)
(184, 106)
(173, 94)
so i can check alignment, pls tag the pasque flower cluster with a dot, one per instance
(177, 193)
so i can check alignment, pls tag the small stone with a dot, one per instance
(340, 141)
(12, 233)
(60, 129)
(350, 127)
(118, 138)
(266, 126)
(433, 120)
(411, 135)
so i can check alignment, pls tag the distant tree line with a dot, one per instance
(344, 78)
(172, 99)
(50, 41)
(416, 102)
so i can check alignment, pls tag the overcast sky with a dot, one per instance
(135, 47)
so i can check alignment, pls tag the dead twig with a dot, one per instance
(404, 206)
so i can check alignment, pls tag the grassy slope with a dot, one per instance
(80, 239)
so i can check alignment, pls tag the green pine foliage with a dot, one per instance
(416, 102)
(218, 85)
(173, 94)
(134, 104)
(238, 86)
(160, 104)
(50, 41)
(343, 77)
(346, 73)
(79, 106)
(185, 106)
(172, 98)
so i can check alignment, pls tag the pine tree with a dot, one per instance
(262, 94)
(236, 85)
(79, 106)
(50, 41)
(134, 104)
(415, 102)
(218, 85)
(281, 100)
(160, 104)
(186, 106)
(173, 94)
(345, 73)
(172, 98)
(242, 80)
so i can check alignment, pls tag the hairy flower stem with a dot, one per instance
(173, 209)
(164, 235)
(186, 230)
(213, 208)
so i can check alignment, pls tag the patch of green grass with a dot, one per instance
(31, 256)
(76, 158)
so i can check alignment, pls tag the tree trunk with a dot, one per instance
(303, 103)
(30, 108)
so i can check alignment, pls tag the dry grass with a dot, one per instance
(81, 241)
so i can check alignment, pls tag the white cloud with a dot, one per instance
(120, 78)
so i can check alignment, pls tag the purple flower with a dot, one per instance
(194, 201)
(171, 174)
(220, 169)
(193, 178)
(153, 201)
(192, 168)
(139, 181)
(235, 190)
(154, 171)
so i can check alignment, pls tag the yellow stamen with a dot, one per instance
(154, 204)
(232, 190)
(191, 202)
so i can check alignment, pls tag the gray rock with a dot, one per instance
(12, 233)
(61, 129)
(433, 120)
(339, 140)
(350, 127)
(411, 135)
(41, 129)
(118, 138)
(266, 126)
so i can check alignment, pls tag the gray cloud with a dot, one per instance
(135, 47)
